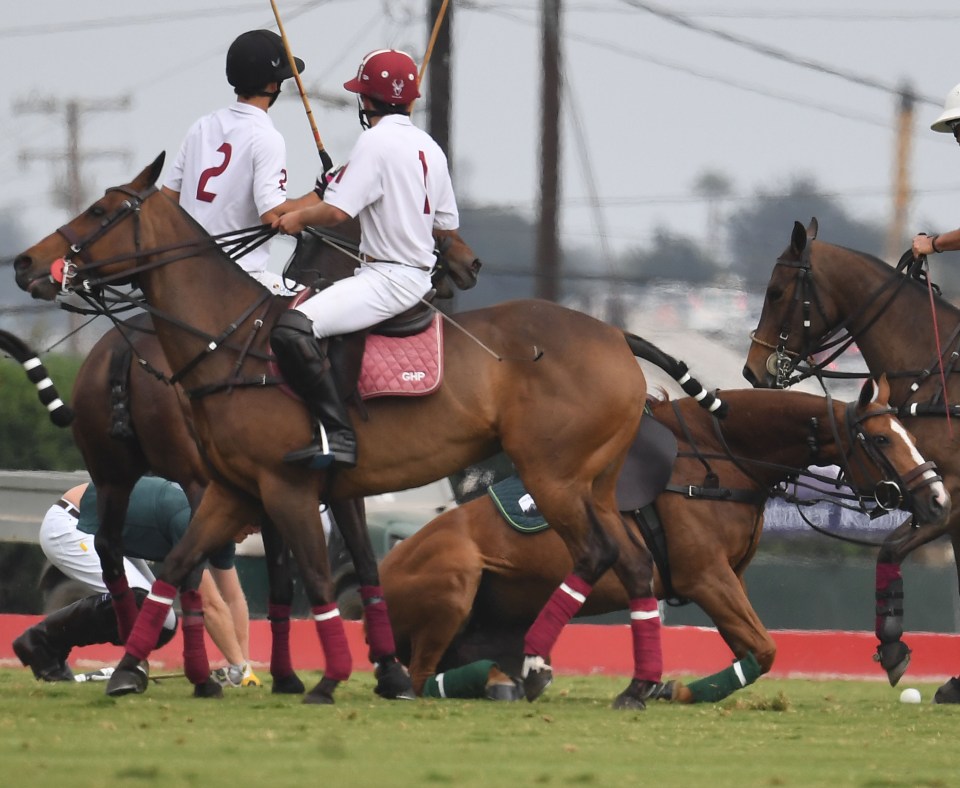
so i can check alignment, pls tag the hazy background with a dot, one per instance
(657, 116)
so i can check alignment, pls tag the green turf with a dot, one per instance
(777, 733)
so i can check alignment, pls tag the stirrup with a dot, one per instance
(320, 455)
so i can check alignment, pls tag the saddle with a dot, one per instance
(402, 356)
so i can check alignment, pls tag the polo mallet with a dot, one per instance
(430, 44)
(325, 160)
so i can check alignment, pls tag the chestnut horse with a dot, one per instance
(130, 420)
(467, 584)
(820, 299)
(560, 392)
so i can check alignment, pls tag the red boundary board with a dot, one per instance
(587, 648)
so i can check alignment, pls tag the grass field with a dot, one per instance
(778, 733)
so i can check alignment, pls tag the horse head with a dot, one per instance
(799, 314)
(109, 230)
(456, 260)
(882, 459)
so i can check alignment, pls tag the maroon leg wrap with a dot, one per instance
(645, 628)
(889, 594)
(196, 666)
(378, 630)
(281, 665)
(560, 608)
(124, 605)
(336, 651)
(146, 632)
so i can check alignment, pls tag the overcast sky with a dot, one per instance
(656, 102)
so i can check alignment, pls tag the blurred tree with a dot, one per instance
(714, 187)
(759, 231)
(672, 256)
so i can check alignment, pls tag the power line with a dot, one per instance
(773, 52)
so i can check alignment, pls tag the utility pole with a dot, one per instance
(548, 246)
(896, 230)
(70, 192)
(439, 78)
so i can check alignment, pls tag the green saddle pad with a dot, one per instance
(517, 506)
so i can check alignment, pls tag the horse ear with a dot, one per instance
(798, 241)
(869, 392)
(148, 176)
(813, 228)
(883, 388)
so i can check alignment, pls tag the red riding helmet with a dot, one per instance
(387, 75)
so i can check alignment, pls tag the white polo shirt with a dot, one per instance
(398, 182)
(232, 169)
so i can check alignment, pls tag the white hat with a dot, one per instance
(951, 111)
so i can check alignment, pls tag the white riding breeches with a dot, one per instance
(72, 551)
(376, 292)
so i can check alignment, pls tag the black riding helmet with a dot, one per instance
(257, 58)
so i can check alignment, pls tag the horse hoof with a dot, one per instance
(635, 697)
(503, 691)
(536, 682)
(894, 659)
(208, 689)
(288, 685)
(322, 694)
(665, 691)
(393, 681)
(949, 692)
(129, 680)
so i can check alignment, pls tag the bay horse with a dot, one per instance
(131, 420)
(467, 585)
(560, 392)
(820, 299)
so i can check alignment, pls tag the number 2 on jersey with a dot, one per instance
(213, 172)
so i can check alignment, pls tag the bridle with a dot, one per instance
(65, 271)
(783, 363)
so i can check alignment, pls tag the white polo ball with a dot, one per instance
(910, 695)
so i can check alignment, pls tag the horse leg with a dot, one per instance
(213, 524)
(291, 504)
(393, 681)
(634, 569)
(112, 501)
(950, 692)
(718, 591)
(196, 664)
(593, 552)
(280, 578)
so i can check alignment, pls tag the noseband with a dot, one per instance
(79, 245)
(888, 494)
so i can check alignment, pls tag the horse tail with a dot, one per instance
(60, 413)
(679, 371)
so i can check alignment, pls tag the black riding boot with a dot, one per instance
(305, 368)
(44, 647)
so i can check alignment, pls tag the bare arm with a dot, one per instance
(932, 244)
(319, 213)
(218, 621)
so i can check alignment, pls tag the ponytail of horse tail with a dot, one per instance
(60, 413)
(679, 371)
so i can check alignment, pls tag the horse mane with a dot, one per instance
(889, 270)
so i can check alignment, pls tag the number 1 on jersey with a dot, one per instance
(426, 198)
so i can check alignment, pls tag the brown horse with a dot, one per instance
(820, 299)
(559, 392)
(131, 420)
(467, 585)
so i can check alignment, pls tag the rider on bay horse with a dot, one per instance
(398, 182)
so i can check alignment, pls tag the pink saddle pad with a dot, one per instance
(403, 366)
